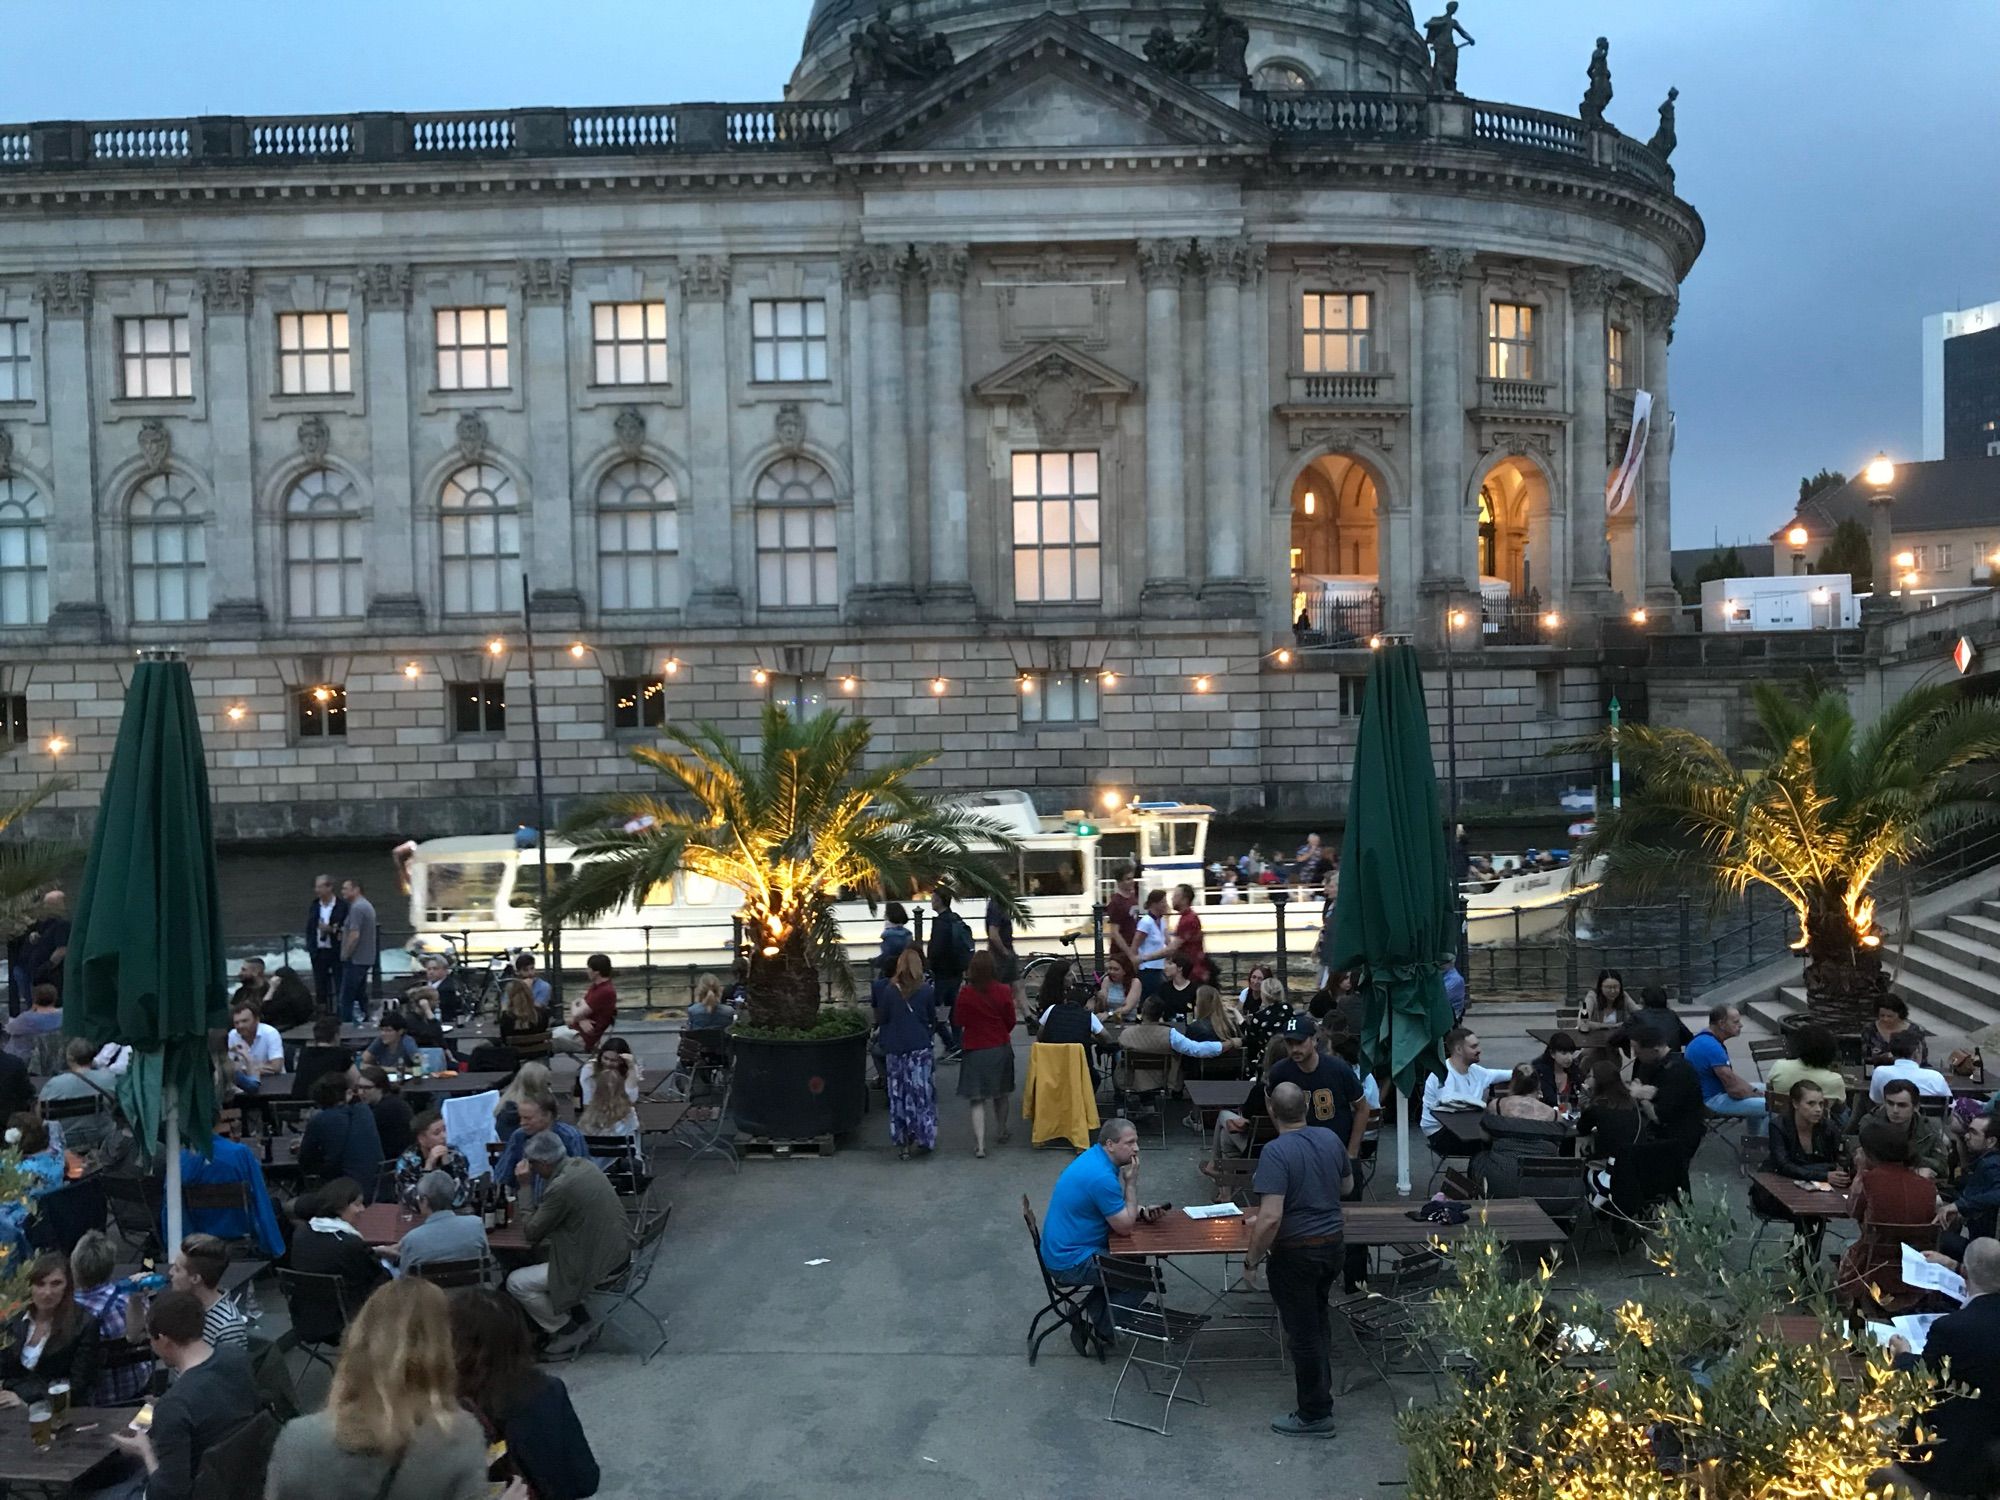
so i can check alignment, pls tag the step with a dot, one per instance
(1945, 970)
(1766, 1012)
(1957, 946)
(1979, 929)
(1937, 1008)
(1989, 909)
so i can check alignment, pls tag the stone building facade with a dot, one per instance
(1081, 417)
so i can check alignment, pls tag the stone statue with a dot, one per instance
(1441, 34)
(1664, 140)
(1162, 51)
(887, 55)
(1598, 96)
(1217, 45)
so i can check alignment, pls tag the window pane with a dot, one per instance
(1025, 516)
(1055, 473)
(1086, 583)
(1084, 479)
(1027, 576)
(1024, 474)
(1055, 522)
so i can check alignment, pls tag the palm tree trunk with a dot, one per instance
(784, 986)
(1843, 978)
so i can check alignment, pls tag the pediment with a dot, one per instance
(1054, 86)
(1060, 389)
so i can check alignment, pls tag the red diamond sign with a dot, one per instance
(1962, 654)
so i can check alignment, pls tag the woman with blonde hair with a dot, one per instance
(523, 1026)
(610, 1110)
(531, 1082)
(393, 1428)
(1212, 1021)
(904, 1022)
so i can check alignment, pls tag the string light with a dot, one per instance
(1113, 801)
(1284, 655)
(1455, 619)
(1201, 684)
(577, 649)
(57, 744)
(759, 676)
(412, 671)
(1552, 620)
(1027, 683)
(1109, 679)
(322, 695)
(1374, 643)
(495, 646)
(236, 712)
(671, 666)
(849, 684)
(1638, 617)
(938, 685)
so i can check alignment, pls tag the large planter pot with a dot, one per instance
(794, 1091)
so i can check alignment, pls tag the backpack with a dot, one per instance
(958, 941)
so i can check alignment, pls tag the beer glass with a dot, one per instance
(59, 1400)
(41, 1425)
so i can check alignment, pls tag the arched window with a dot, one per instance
(796, 553)
(480, 528)
(1282, 78)
(24, 554)
(323, 554)
(169, 552)
(638, 538)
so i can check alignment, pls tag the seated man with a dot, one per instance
(199, 1269)
(1976, 1206)
(536, 1118)
(1964, 1348)
(394, 1048)
(83, 1085)
(1930, 1152)
(440, 1233)
(120, 1378)
(1723, 1090)
(1463, 1084)
(591, 1016)
(212, 1395)
(582, 1223)
(255, 1049)
(1903, 1064)
(1096, 1196)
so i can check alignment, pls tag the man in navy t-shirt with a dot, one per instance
(1722, 1090)
(1096, 1196)
(1334, 1097)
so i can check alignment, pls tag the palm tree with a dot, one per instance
(795, 827)
(1816, 813)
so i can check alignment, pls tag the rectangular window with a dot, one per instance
(1944, 556)
(637, 702)
(1056, 542)
(1614, 358)
(1339, 330)
(797, 557)
(788, 339)
(13, 719)
(1510, 341)
(1059, 698)
(802, 694)
(1918, 557)
(472, 349)
(628, 342)
(1351, 691)
(321, 712)
(17, 381)
(313, 354)
(156, 358)
(478, 708)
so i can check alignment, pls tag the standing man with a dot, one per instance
(359, 945)
(325, 918)
(1152, 944)
(1329, 891)
(949, 952)
(1121, 917)
(1300, 1179)
(48, 943)
(1000, 941)
(1723, 1090)
(1185, 940)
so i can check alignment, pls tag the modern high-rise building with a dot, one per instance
(1962, 383)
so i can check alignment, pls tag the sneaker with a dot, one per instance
(1294, 1425)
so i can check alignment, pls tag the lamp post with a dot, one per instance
(551, 932)
(1796, 539)
(1880, 477)
(1280, 898)
(1453, 620)
(1615, 709)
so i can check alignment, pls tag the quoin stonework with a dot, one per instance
(1075, 393)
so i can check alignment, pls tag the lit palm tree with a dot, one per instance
(1817, 812)
(794, 827)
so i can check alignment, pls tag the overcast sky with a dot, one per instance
(1840, 151)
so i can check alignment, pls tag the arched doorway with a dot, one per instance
(1336, 547)
(1514, 531)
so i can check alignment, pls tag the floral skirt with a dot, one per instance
(912, 1099)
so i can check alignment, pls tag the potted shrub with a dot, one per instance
(794, 826)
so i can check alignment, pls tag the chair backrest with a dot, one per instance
(136, 1203)
(1764, 1051)
(1120, 1275)
(477, 1271)
(216, 1196)
(1558, 1183)
(73, 1109)
(236, 1465)
(310, 1289)
(1034, 1228)
(1567, 1016)
(1232, 1175)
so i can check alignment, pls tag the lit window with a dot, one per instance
(13, 719)
(24, 553)
(629, 342)
(17, 381)
(797, 556)
(1510, 341)
(472, 349)
(478, 708)
(313, 355)
(323, 547)
(1352, 690)
(480, 523)
(637, 702)
(1056, 546)
(1919, 554)
(1339, 329)
(802, 694)
(638, 538)
(169, 552)
(1059, 698)
(157, 362)
(1943, 556)
(1614, 357)
(1282, 78)
(788, 340)
(320, 712)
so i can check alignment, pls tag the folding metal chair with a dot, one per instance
(622, 1160)
(624, 1285)
(137, 1205)
(456, 1275)
(1065, 1303)
(308, 1288)
(1762, 1052)
(1137, 1294)
(715, 1134)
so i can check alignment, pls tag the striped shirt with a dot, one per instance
(224, 1327)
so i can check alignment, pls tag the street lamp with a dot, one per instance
(1796, 539)
(1453, 621)
(1880, 477)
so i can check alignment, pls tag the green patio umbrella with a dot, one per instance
(145, 964)
(1395, 917)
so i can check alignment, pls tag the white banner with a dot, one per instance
(1624, 481)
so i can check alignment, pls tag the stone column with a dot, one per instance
(1225, 590)
(393, 602)
(714, 599)
(76, 609)
(949, 593)
(550, 557)
(232, 532)
(1440, 497)
(1254, 396)
(1656, 518)
(880, 272)
(1589, 292)
(860, 565)
(1162, 265)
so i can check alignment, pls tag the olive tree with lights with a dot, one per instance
(1818, 811)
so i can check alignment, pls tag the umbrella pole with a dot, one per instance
(173, 1194)
(1403, 1147)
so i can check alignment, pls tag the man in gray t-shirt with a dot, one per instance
(1299, 1181)
(359, 944)
(443, 1235)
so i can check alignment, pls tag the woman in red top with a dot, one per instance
(1891, 1203)
(986, 1070)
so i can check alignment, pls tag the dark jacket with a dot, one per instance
(1545, 1074)
(1789, 1159)
(201, 1408)
(343, 1142)
(903, 1025)
(546, 1441)
(1965, 1346)
(950, 948)
(1979, 1196)
(339, 919)
(74, 1359)
(392, 1125)
(319, 1319)
(17, 1090)
(1678, 1113)
(316, 1059)
(1659, 1020)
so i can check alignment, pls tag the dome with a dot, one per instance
(1313, 44)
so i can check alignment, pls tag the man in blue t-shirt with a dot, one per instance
(1096, 1196)
(1723, 1090)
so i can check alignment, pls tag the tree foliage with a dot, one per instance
(1849, 551)
(1724, 562)
(794, 827)
(1820, 483)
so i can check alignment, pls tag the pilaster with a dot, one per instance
(393, 600)
(76, 607)
(714, 599)
(1589, 292)
(1656, 518)
(544, 287)
(879, 271)
(1162, 267)
(1440, 485)
(949, 592)
(1225, 591)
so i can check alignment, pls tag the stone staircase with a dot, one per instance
(1948, 972)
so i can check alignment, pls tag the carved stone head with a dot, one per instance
(471, 436)
(791, 426)
(313, 438)
(629, 428)
(156, 444)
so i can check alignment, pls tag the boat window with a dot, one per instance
(1170, 840)
(528, 883)
(1052, 872)
(462, 892)
(658, 895)
(698, 890)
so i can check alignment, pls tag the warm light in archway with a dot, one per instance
(1638, 617)
(1312, 502)
(1552, 621)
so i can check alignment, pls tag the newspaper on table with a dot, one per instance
(1918, 1272)
(1915, 1327)
(1213, 1211)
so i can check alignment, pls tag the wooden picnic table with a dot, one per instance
(1859, 1080)
(1211, 1096)
(452, 1085)
(385, 1224)
(352, 1035)
(82, 1443)
(1805, 1202)
(1516, 1221)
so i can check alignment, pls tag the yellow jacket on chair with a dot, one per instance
(1059, 1099)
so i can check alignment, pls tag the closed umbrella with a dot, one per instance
(145, 964)
(1395, 916)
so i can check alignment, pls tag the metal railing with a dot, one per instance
(1513, 622)
(1335, 618)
